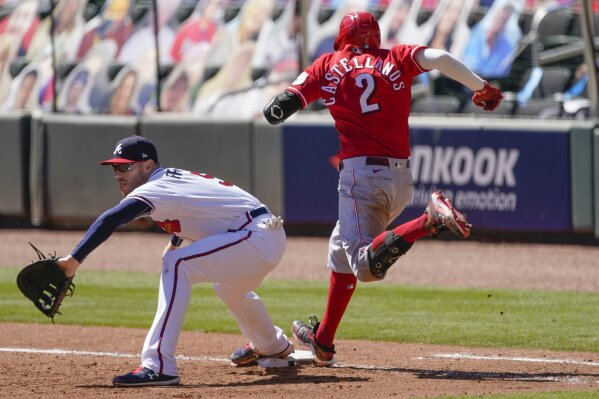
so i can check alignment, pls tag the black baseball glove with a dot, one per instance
(45, 284)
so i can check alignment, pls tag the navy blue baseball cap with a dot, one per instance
(132, 149)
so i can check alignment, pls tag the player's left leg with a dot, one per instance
(440, 215)
(365, 210)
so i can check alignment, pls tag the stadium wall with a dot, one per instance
(507, 175)
(14, 161)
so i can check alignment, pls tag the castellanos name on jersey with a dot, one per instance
(197, 204)
(344, 65)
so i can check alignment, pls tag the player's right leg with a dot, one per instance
(362, 215)
(158, 363)
(305, 334)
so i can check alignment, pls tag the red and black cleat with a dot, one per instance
(442, 215)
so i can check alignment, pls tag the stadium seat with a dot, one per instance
(505, 109)
(17, 66)
(538, 106)
(436, 105)
(554, 27)
(553, 80)
(91, 10)
(576, 26)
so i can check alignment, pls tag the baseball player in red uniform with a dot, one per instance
(233, 241)
(368, 92)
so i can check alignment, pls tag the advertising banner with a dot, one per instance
(504, 180)
(311, 177)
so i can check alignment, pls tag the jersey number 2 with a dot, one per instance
(366, 81)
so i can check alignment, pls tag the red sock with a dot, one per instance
(409, 231)
(341, 289)
(412, 230)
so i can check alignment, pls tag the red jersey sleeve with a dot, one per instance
(405, 54)
(307, 85)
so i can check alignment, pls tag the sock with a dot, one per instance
(413, 230)
(341, 289)
(409, 232)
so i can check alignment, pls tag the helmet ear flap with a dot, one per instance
(337, 43)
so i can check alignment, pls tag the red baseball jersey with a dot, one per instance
(368, 93)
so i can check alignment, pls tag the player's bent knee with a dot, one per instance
(169, 261)
(230, 294)
(224, 294)
(366, 276)
(380, 259)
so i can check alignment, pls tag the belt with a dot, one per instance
(247, 217)
(380, 161)
(258, 211)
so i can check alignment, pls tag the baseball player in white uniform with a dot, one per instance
(233, 242)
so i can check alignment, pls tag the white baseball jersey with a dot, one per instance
(231, 247)
(193, 205)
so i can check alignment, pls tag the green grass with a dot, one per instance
(544, 395)
(482, 317)
(560, 321)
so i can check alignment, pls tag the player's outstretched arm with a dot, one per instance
(281, 107)
(107, 223)
(485, 94)
(450, 66)
(68, 265)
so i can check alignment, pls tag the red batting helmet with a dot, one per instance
(359, 28)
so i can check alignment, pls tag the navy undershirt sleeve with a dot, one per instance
(176, 241)
(107, 223)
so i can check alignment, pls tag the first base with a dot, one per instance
(297, 358)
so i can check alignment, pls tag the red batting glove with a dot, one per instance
(488, 98)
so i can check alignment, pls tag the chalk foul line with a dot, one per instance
(65, 352)
(564, 378)
(511, 359)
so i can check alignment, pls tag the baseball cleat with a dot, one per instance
(143, 376)
(442, 215)
(247, 355)
(306, 335)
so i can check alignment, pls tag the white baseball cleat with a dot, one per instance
(247, 355)
(294, 359)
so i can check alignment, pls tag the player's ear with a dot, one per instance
(149, 165)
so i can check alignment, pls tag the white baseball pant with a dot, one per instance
(236, 263)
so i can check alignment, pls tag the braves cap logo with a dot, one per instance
(118, 149)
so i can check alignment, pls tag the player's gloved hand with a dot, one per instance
(274, 223)
(488, 98)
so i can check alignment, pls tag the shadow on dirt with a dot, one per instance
(274, 380)
(485, 375)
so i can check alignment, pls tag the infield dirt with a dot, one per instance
(366, 369)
